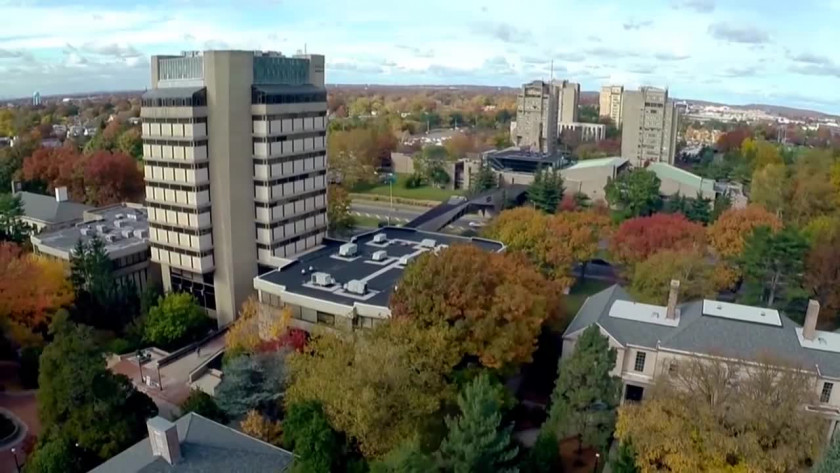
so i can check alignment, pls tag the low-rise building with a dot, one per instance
(589, 177)
(653, 340)
(514, 165)
(585, 131)
(123, 228)
(676, 181)
(46, 213)
(347, 285)
(194, 443)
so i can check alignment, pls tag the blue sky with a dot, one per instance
(734, 51)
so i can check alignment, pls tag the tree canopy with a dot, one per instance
(772, 265)
(639, 238)
(177, 319)
(338, 210)
(652, 277)
(252, 382)
(634, 193)
(546, 191)
(12, 228)
(728, 234)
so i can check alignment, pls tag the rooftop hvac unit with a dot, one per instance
(322, 279)
(356, 287)
(428, 243)
(380, 238)
(405, 260)
(348, 249)
(380, 255)
(132, 216)
(102, 228)
(120, 223)
(119, 216)
(127, 233)
(111, 238)
(85, 231)
(142, 233)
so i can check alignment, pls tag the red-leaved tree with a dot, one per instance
(111, 178)
(638, 238)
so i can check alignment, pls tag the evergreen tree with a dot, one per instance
(254, 382)
(475, 441)
(485, 179)
(773, 266)
(830, 462)
(11, 227)
(544, 455)
(176, 320)
(308, 433)
(407, 458)
(634, 193)
(546, 191)
(205, 405)
(625, 460)
(585, 394)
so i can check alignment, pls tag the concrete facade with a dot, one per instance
(649, 128)
(585, 131)
(536, 117)
(591, 176)
(235, 160)
(610, 103)
(568, 100)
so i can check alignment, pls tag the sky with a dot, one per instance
(733, 51)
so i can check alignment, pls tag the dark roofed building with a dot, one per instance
(347, 285)
(45, 212)
(651, 340)
(194, 444)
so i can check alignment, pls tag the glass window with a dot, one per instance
(640, 361)
(825, 395)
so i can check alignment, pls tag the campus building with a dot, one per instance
(649, 126)
(610, 103)
(536, 117)
(234, 147)
(653, 340)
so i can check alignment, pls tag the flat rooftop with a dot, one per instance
(379, 274)
(124, 229)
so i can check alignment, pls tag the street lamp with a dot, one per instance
(597, 457)
(17, 465)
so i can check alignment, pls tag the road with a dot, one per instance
(401, 214)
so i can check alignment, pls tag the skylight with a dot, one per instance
(742, 313)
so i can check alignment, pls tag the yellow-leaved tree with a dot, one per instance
(257, 323)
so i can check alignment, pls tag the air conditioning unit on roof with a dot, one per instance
(380, 238)
(380, 255)
(322, 279)
(356, 287)
(428, 243)
(348, 249)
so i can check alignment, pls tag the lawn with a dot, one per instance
(580, 291)
(365, 222)
(419, 193)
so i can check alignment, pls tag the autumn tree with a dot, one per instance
(80, 399)
(483, 180)
(476, 440)
(256, 325)
(585, 394)
(822, 277)
(637, 239)
(583, 231)
(495, 303)
(651, 278)
(111, 178)
(760, 153)
(176, 320)
(728, 233)
(546, 191)
(381, 387)
(356, 154)
(204, 405)
(812, 193)
(130, 142)
(32, 289)
(770, 188)
(430, 164)
(259, 426)
(408, 457)
(732, 140)
(772, 265)
(634, 193)
(717, 415)
(459, 144)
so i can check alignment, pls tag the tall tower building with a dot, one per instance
(536, 117)
(234, 147)
(649, 132)
(610, 103)
(36, 98)
(568, 100)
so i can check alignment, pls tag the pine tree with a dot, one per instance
(585, 394)
(475, 441)
(625, 460)
(484, 179)
(407, 458)
(830, 463)
(546, 191)
(544, 455)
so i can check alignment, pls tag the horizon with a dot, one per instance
(752, 52)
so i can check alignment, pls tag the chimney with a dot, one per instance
(163, 436)
(671, 312)
(809, 330)
(61, 194)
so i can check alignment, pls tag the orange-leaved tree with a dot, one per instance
(495, 302)
(638, 238)
(729, 232)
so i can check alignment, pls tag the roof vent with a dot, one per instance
(380, 255)
(111, 238)
(127, 233)
(356, 287)
(428, 243)
(380, 238)
(141, 233)
(119, 216)
(102, 228)
(85, 231)
(348, 249)
(303, 271)
(120, 223)
(132, 216)
(322, 279)
(405, 260)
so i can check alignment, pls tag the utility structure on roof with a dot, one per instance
(234, 147)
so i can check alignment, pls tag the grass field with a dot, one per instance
(365, 222)
(420, 193)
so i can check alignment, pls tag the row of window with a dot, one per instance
(132, 259)
(157, 141)
(186, 231)
(296, 239)
(174, 121)
(284, 180)
(205, 293)
(289, 115)
(180, 187)
(259, 97)
(279, 139)
(296, 218)
(185, 251)
(176, 208)
(283, 159)
(280, 202)
(197, 100)
(176, 165)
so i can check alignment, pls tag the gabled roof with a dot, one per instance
(667, 171)
(206, 447)
(46, 209)
(709, 335)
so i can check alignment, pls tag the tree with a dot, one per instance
(130, 142)
(309, 434)
(639, 238)
(26, 307)
(55, 455)
(430, 163)
(695, 209)
(770, 188)
(485, 179)
(760, 153)
(634, 193)
(772, 264)
(585, 394)
(380, 387)
(546, 191)
(812, 192)
(476, 440)
(586, 230)
(822, 277)
(112, 178)
(719, 415)
(830, 462)
(732, 140)
(729, 232)
(256, 325)
(203, 404)
(80, 399)
(544, 455)
(406, 458)
(338, 210)
(12, 228)
(495, 303)
(459, 144)
(652, 277)
(252, 382)
(259, 426)
(177, 319)
(625, 460)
